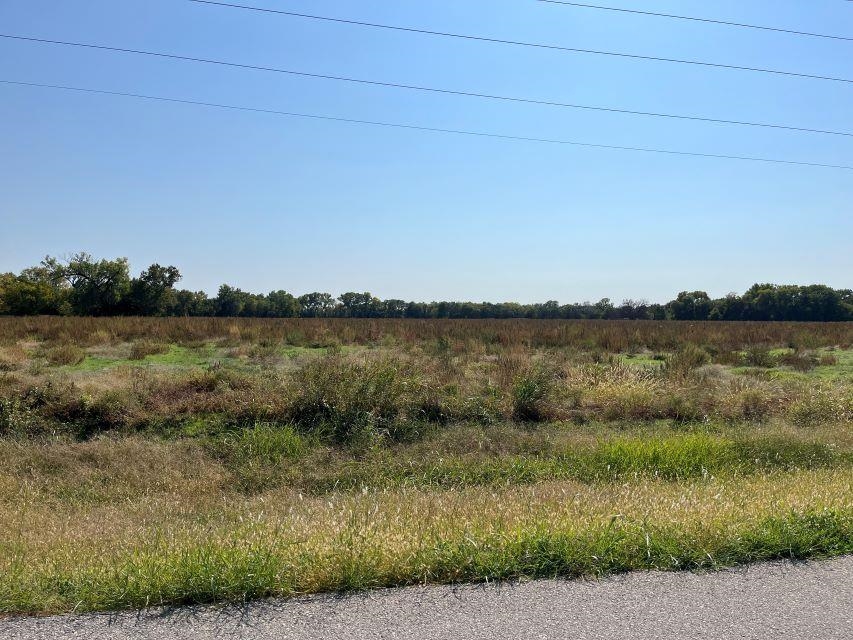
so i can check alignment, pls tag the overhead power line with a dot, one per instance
(426, 129)
(519, 43)
(437, 90)
(696, 19)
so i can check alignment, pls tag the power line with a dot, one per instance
(520, 43)
(412, 127)
(695, 19)
(438, 90)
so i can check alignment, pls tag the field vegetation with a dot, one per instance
(148, 461)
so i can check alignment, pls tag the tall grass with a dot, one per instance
(605, 335)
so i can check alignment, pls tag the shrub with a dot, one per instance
(16, 418)
(140, 349)
(710, 373)
(105, 412)
(799, 360)
(827, 360)
(753, 404)
(758, 357)
(351, 401)
(822, 404)
(65, 354)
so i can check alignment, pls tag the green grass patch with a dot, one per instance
(842, 369)
(641, 360)
(184, 357)
(262, 456)
(671, 458)
(173, 356)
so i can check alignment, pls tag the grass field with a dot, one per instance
(164, 461)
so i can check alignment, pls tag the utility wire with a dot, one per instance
(412, 127)
(520, 43)
(437, 90)
(695, 19)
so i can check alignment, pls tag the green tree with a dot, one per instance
(358, 305)
(281, 304)
(152, 293)
(230, 301)
(190, 303)
(690, 305)
(21, 296)
(316, 304)
(96, 287)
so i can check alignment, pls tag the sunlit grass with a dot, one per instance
(177, 548)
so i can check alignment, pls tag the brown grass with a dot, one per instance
(606, 335)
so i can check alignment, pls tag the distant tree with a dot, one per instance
(633, 310)
(191, 303)
(818, 303)
(358, 305)
(549, 309)
(417, 310)
(229, 301)
(316, 304)
(6, 280)
(84, 286)
(604, 308)
(846, 296)
(690, 305)
(21, 296)
(96, 287)
(393, 309)
(152, 293)
(729, 308)
(283, 305)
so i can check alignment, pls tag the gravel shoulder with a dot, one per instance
(772, 600)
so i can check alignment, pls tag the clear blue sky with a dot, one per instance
(264, 202)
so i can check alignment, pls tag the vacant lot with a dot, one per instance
(150, 461)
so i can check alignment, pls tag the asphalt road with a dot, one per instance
(777, 600)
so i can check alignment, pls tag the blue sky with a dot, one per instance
(264, 202)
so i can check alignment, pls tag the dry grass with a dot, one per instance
(605, 335)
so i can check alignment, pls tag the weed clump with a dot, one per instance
(530, 393)
(684, 360)
(354, 402)
(799, 360)
(758, 356)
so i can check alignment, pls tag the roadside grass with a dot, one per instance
(171, 550)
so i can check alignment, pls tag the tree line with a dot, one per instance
(84, 286)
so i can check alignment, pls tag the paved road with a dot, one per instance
(776, 600)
